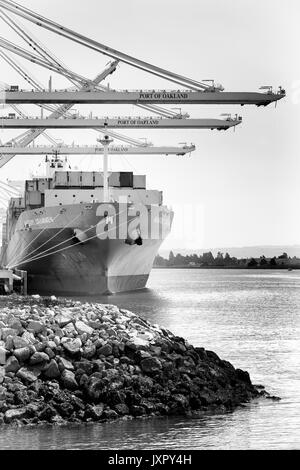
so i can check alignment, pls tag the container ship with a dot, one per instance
(73, 239)
(86, 232)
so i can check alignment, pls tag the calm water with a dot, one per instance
(251, 318)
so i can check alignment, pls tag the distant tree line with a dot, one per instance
(221, 260)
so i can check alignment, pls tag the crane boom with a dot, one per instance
(96, 150)
(117, 123)
(97, 46)
(143, 97)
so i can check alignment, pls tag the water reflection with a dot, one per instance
(251, 319)
(238, 430)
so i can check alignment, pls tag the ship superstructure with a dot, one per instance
(87, 232)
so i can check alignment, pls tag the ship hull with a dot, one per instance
(58, 263)
(92, 285)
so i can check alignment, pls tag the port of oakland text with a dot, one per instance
(163, 96)
(138, 122)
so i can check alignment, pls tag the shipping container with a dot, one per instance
(60, 179)
(114, 179)
(74, 179)
(87, 179)
(139, 181)
(97, 179)
(126, 180)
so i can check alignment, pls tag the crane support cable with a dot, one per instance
(19, 111)
(4, 195)
(10, 194)
(21, 32)
(95, 45)
(9, 189)
(122, 137)
(24, 53)
(3, 202)
(20, 71)
(33, 43)
(59, 112)
(10, 46)
(162, 111)
(50, 138)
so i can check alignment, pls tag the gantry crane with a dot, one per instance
(47, 60)
(50, 25)
(93, 91)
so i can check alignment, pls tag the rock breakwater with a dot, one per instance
(66, 361)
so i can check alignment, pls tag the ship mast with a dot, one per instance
(105, 142)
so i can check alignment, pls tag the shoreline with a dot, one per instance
(231, 267)
(64, 361)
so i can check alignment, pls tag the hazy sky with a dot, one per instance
(238, 188)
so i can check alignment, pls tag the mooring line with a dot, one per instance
(61, 243)
(67, 247)
(32, 241)
(52, 238)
